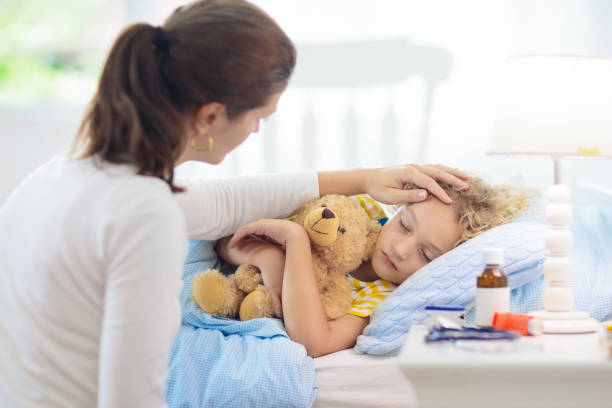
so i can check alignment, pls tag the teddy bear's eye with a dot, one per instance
(341, 230)
(324, 205)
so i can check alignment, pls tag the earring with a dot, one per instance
(197, 149)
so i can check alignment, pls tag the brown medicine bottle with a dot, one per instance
(492, 292)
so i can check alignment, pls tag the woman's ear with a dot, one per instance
(373, 231)
(208, 115)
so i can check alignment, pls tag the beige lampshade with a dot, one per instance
(554, 105)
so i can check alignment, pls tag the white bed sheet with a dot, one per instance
(351, 380)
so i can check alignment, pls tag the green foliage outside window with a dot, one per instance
(48, 50)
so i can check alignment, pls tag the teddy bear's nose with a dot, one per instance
(327, 213)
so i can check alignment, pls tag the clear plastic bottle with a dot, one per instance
(492, 293)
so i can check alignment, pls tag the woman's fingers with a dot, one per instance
(411, 195)
(447, 175)
(427, 177)
(413, 183)
(455, 172)
(417, 177)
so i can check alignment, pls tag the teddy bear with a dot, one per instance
(342, 236)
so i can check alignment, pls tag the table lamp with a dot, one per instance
(556, 106)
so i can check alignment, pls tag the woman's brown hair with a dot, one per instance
(155, 79)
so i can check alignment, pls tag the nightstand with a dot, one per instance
(571, 370)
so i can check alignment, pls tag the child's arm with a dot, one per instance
(305, 319)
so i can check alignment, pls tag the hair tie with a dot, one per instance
(160, 39)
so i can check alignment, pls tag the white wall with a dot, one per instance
(29, 136)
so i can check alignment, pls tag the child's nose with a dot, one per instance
(402, 248)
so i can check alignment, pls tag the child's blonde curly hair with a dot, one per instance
(483, 207)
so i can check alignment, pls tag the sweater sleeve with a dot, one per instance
(145, 243)
(217, 208)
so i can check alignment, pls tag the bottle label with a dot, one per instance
(488, 302)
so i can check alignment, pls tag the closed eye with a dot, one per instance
(424, 255)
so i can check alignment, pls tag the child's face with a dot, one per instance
(419, 233)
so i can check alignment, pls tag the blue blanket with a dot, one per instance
(217, 362)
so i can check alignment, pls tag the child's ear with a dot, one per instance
(373, 231)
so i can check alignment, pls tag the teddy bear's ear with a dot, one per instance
(303, 211)
(373, 231)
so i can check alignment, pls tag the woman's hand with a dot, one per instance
(395, 185)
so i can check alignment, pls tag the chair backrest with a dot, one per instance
(391, 76)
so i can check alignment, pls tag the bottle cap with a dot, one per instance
(535, 326)
(493, 256)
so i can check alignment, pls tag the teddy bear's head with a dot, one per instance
(343, 235)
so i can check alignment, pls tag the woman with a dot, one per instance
(93, 243)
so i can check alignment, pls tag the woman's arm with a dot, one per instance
(217, 208)
(304, 316)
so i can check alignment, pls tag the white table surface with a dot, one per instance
(570, 370)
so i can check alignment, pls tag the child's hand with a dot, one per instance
(274, 231)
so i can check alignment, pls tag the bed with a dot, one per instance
(226, 363)
(347, 379)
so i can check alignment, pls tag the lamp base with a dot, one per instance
(566, 322)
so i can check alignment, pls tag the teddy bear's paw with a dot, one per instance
(215, 294)
(257, 304)
(247, 278)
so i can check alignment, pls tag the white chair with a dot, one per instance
(376, 72)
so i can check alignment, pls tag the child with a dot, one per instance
(415, 235)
